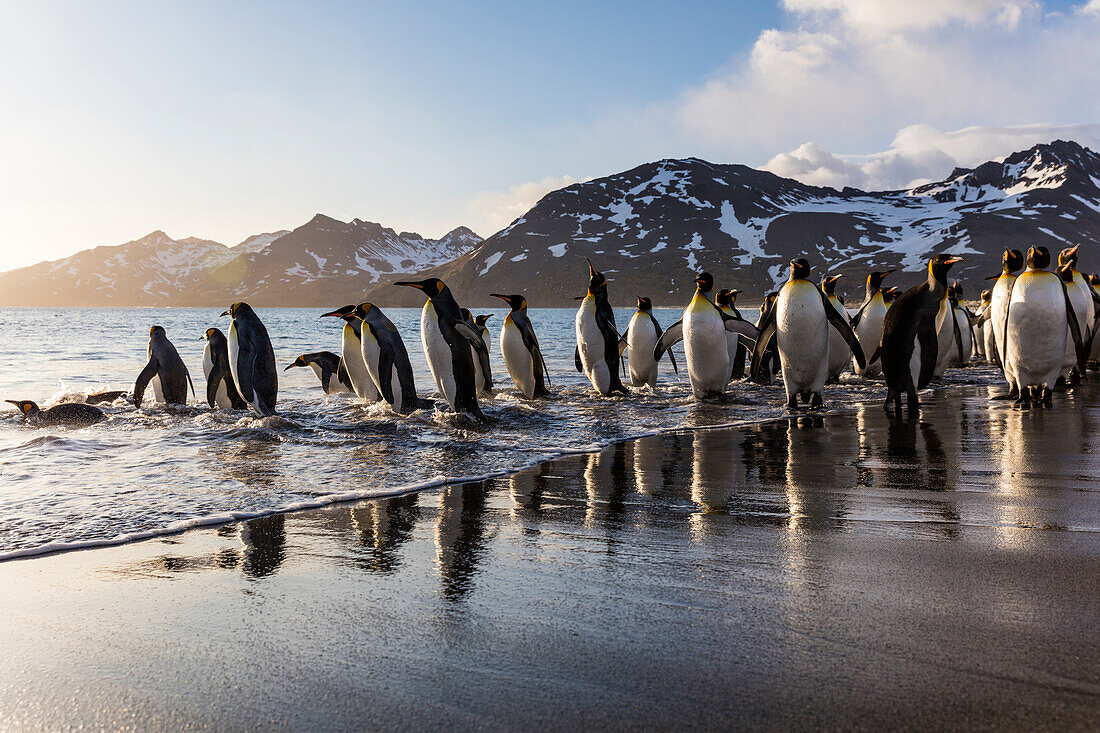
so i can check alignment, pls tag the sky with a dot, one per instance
(225, 119)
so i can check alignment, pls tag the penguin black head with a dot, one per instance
(828, 284)
(957, 288)
(466, 314)
(362, 310)
(156, 331)
(240, 308)
(645, 305)
(800, 269)
(432, 287)
(1068, 256)
(704, 282)
(1094, 279)
(346, 312)
(1065, 272)
(768, 300)
(939, 265)
(596, 280)
(890, 294)
(515, 302)
(24, 406)
(726, 297)
(299, 362)
(1012, 260)
(875, 278)
(1038, 258)
(479, 321)
(987, 296)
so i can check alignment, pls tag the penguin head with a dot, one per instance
(362, 310)
(346, 312)
(596, 280)
(1094, 280)
(828, 284)
(156, 331)
(466, 314)
(875, 278)
(515, 302)
(704, 282)
(957, 288)
(890, 294)
(800, 269)
(768, 300)
(726, 297)
(239, 309)
(1065, 272)
(1038, 258)
(645, 305)
(212, 335)
(432, 287)
(940, 264)
(1012, 260)
(301, 361)
(24, 406)
(987, 296)
(479, 321)
(1068, 256)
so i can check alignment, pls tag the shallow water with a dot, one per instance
(150, 470)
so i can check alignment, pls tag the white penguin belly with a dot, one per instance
(370, 351)
(439, 354)
(641, 339)
(591, 343)
(998, 306)
(158, 389)
(1077, 299)
(732, 340)
(357, 368)
(839, 351)
(945, 336)
(962, 320)
(869, 335)
(518, 360)
(1036, 329)
(395, 387)
(234, 355)
(705, 348)
(802, 337)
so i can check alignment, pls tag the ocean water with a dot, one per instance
(156, 470)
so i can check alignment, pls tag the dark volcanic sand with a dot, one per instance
(862, 573)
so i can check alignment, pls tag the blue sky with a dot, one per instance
(221, 120)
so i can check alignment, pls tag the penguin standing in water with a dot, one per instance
(520, 348)
(447, 340)
(641, 336)
(839, 353)
(800, 319)
(1036, 328)
(387, 360)
(1011, 263)
(599, 346)
(963, 348)
(981, 333)
(910, 347)
(165, 370)
(329, 369)
(351, 351)
(703, 330)
(252, 360)
(726, 299)
(70, 414)
(483, 372)
(221, 393)
(867, 322)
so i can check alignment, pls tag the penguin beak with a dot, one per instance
(699, 280)
(333, 314)
(13, 402)
(579, 297)
(407, 284)
(498, 295)
(591, 269)
(952, 260)
(223, 313)
(892, 269)
(289, 366)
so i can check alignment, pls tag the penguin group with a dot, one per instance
(1037, 326)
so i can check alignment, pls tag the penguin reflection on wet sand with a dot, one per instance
(642, 334)
(252, 360)
(447, 339)
(329, 369)
(165, 370)
(221, 393)
(70, 414)
(520, 348)
(599, 345)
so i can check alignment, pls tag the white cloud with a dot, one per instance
(1092, 7)
(877, 16)
(920, 153)
(491, 211)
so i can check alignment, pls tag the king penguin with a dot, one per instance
(387, 360)
(599, 345)
(909, 347)
(982, 334)
(1011, 263)
(703, 330)
(70, 414)
(252, 360)
(1036, 329)
(799, 319)
(483, 372)
(447, 339)
(963, 349)
(1080, 295)
(221, 393)
(642, 334)
(520, 348)
(840, 355)
(165, 369)
(726, 299)
(328, 368)
(351, 351)
(867, 322)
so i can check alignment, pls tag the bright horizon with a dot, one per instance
(224, 122)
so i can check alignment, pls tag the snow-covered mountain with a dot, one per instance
(650, 229)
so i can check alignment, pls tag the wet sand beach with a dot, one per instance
(846, 570)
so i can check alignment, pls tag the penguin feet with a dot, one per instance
(816, 400)
(792, 402)
(1048, 397)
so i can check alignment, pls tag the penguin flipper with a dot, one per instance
(767, 328)
(577, 358)
(671, 337)
(929, 351)
(188, 373)
(859, 316)
(343, 376)
(958, 334)
(739, 326)
(143, 380)
(385, 374)
(1079, 346)
(840, 323)
(212, 389)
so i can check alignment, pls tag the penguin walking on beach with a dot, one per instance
(981, 332)
(351, 351)
(1039, 312)
(736, 349)
(520, 348)
(165, 370)
(599, 345)
(703, 330)
(69, 414)
(840, 355)
(387, 360)
(642, 334)
(1080, 296)
(447, 340)
(328, 368)
(867, 322)
(1012, 261)
(483, 372)
(769, 363)
(910, 348)
(799, 319)
(963, 348)
(252, 360)
(221, 393)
